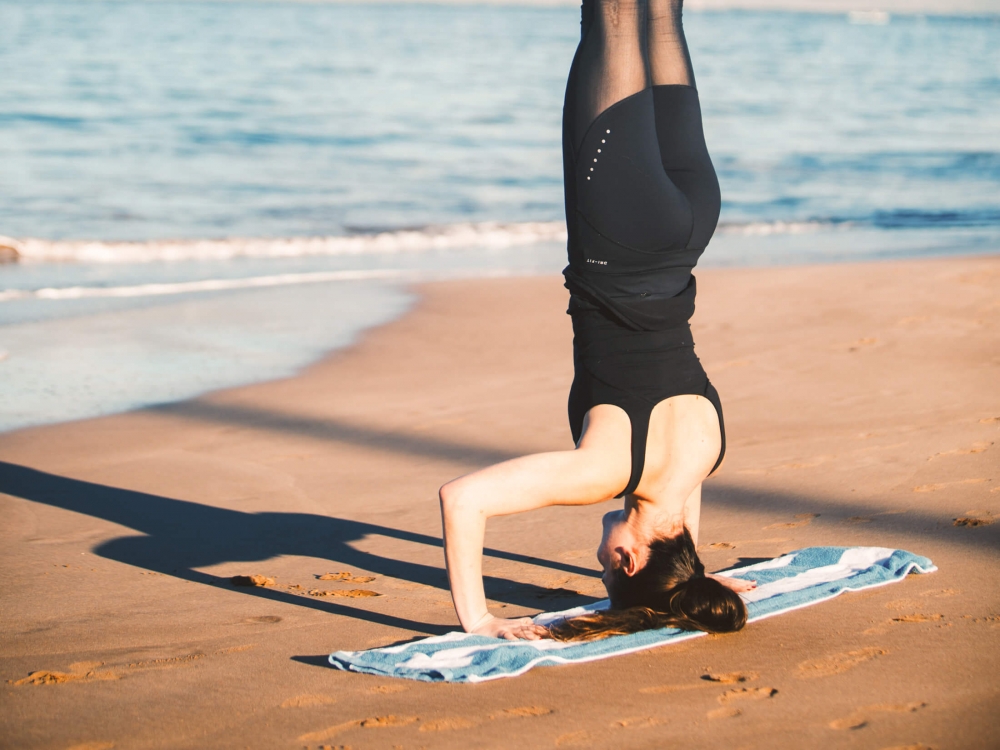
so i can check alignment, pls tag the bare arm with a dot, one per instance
(592, 473)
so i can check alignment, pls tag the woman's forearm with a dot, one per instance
(464, 531)
(577, 477)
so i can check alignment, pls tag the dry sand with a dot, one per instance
(862, 406)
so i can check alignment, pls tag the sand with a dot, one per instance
(862, 406)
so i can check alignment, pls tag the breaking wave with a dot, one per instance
(468, 236)
(486, 235)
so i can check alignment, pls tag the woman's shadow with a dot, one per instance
(179, 537)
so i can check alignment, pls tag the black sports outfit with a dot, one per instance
(642, 202)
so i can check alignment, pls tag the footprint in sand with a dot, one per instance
(254, 580)
(914, 617)
(741, 694)
(977, 447)
(990, 420)
(307, 700)
(918, 617)
(638, 722)
(522, 712)
(386, 689)
(729, 678)
(346, 576)
(802, 519)
(349, 593)
(234, 649)
(447, 725)
(861, 718)
(45, 677)
(941, 592)
(994, 619)
(974, 518)
(263, 620)
(942, 485)
(86, 671)
(89, 671)
(837, 663)
(373, 722)
(718, 545)
(727, 711)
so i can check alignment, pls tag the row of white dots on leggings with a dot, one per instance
(603, 140)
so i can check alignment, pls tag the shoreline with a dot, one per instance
(90, 393)
(860, 406)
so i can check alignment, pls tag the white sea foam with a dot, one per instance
(485, 235)
(765, 228)
(201, 285)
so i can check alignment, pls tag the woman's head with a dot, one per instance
(660, 583)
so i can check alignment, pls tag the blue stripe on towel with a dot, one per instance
(795, 580)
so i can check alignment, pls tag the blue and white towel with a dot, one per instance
(792, 581)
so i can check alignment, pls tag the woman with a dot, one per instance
(642, 202)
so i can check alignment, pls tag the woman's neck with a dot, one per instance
(652, 519)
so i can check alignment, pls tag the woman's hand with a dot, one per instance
(739, 585)
(512, 630)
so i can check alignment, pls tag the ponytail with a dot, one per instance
(670, 591)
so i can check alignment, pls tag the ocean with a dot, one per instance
(204, 194)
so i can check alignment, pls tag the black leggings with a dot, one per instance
(642, 202)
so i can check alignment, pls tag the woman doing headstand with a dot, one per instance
(642, 202)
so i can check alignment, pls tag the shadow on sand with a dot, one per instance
(178, 537)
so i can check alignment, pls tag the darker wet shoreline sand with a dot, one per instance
(861, 408)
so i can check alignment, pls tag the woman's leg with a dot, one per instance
(679, 131)
(669, 60)
(610, 64)
(684, 438)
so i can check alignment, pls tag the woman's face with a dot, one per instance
(619, 546)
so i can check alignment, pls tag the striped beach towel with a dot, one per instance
(798, 579)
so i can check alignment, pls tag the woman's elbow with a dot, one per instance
(458, 499)
(451, 496)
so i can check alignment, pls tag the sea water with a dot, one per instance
(207, 194)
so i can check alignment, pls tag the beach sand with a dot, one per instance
(862, 407)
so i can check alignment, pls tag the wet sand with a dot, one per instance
(862, 407)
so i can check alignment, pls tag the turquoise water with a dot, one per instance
(159, 155)
(151, 120)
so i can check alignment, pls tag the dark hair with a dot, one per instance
(669, 591)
